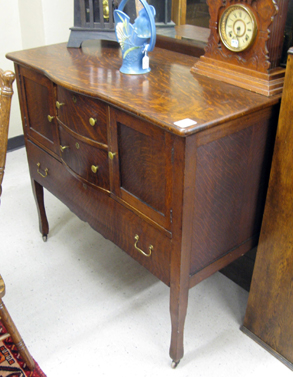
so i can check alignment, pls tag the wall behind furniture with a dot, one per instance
(26, 24)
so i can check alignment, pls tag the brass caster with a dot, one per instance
(174, 364)
(45, 237)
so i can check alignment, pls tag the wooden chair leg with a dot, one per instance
(15, 336)
(6, 92)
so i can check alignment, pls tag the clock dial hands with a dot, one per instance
(237, 28)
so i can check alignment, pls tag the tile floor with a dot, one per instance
(85, 308)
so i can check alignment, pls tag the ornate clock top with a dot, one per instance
(243, 45)
(261, 12)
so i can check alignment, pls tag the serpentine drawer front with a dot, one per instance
(88, 162)
(82, 115)
(183, 199)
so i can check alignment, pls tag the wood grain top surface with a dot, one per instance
(169, 93)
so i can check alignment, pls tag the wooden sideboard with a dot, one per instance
(182, 200)
(268, 318)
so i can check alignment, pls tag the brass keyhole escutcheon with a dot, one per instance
(50, 118)
(111, 155)
(76, 145)
(59, 104)
(92, 121)
(94, 168)
(74, 99)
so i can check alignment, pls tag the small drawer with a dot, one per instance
(43, 167)
(83, 115)
(88, 162)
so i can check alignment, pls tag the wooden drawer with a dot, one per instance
(104, 214)
(149, 239)
(77, 111)
(88, 162)
(43, 167)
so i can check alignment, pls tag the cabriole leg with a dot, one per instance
(38, 191)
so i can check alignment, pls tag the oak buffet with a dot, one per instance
(183, 200)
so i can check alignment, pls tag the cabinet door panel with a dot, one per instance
(39, 104)
(142, 166)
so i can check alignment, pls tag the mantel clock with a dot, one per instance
(245, 44)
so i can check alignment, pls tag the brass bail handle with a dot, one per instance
(41, 174)
(136, 237)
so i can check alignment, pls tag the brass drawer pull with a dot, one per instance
(94, 168)
(136, 237)
(62, 149)
(111, 155)
(92, 121)
(38, 170)
(59, 104)
(50, 118)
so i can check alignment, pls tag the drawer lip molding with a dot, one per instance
(83, 180)
(42, 146)
(80, 156)
(146, 218)
(85, 115)
(81, 137)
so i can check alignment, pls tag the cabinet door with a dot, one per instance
(38, 109)
(141, 166)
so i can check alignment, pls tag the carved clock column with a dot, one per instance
(245, 44)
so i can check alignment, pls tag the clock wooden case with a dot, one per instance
(245, 44)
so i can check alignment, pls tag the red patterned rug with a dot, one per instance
(11, 364)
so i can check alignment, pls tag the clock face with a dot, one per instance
(237, 28)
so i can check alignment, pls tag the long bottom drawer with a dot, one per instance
(104, 214)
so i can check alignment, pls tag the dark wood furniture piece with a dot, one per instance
(6, 80)
(93, 19)
(268, 318)
(183, 200)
